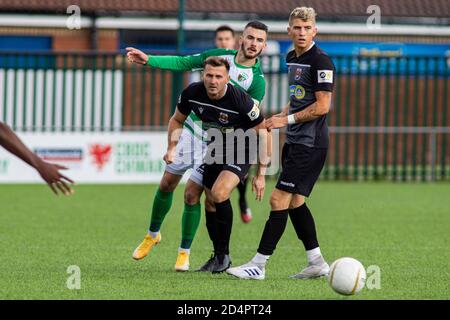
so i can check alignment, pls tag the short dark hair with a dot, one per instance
(217, 62)
(224, 28)
(257, 25)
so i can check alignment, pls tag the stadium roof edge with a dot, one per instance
(143, 23)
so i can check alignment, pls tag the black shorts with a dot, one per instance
(300, 168)
(212, 171)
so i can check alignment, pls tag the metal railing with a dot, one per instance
(389, 119)
(392, 153)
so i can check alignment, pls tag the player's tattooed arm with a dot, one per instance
(173, 134)
(319, 108)
(312, 112)
(285, 111)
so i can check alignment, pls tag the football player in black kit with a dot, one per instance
(226, 110)
(311, 79)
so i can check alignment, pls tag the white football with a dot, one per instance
(347, 276)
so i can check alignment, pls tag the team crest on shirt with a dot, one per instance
(298, 74)
(223, 118)
(242, 77)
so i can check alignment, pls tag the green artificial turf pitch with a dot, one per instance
(404, 229)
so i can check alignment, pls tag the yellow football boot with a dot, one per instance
(182, 263)
(146, 246)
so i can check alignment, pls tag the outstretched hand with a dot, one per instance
(136, 56)
(55, 180)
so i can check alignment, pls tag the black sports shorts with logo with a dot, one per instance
(300, 168)
(212, 171)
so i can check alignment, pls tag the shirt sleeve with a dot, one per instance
(250, 111)
(258, 89)
(183, 103)
(176, 63)
(182, 63)
(324, 74)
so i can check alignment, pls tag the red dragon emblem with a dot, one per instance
(100, 153)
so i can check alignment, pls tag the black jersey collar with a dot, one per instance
(313, 44)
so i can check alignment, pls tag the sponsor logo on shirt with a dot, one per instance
(200, 109)
(254, 113)
(297, 91)
(324, 76)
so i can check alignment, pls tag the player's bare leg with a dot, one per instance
(161, 206)
(296, 201)
(280, 200)
(209, 203)
(169, 182)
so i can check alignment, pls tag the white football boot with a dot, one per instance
(248, 271)
(315, 269)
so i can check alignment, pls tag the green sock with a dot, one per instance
(190, 223)
(161, 205)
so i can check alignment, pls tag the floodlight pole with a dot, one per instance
(180, 34)
(177, 80)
